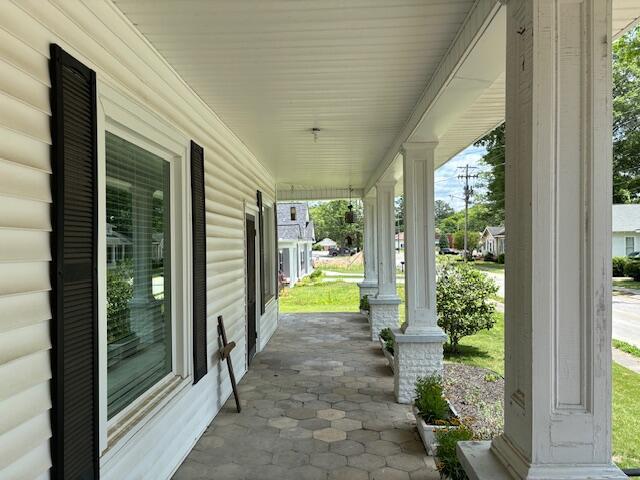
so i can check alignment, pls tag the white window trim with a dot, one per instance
(128, 119)
(268, 201)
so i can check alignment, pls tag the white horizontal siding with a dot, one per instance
(98, 35)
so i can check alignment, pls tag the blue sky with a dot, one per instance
(446, 177)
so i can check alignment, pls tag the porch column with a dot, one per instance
(384, 306)
(558, 187)
(370, 284)
(418, 350)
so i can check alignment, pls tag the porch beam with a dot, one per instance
(558, 300)
(319, 193)
(474, 26)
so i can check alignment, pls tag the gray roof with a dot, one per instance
(626, 218)
(495, 231)
(301, 228)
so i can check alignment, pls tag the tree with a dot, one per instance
(463, 301)
(479, 217)
(493, 180)
(626, 118)
(328, 219)
(442, 210)
(473, 238)
(443, 242)
(399, 208)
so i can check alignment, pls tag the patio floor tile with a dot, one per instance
(317, 404)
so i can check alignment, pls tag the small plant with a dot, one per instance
(619, 264)
(364, 303)
(316, 274)
(632, 269)
(491, 377)
(447, 463)
(463, 298)
(389, 342)
(501, 259)
(431, 405)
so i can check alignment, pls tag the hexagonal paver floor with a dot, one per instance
(317, 403)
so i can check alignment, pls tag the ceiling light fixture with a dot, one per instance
(315, 131)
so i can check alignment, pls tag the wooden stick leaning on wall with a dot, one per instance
(225, 354)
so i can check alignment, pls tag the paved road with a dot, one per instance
(626, 313)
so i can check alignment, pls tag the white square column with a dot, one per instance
(384, 306)
(558, 295)
(418, 346)
(369, 286)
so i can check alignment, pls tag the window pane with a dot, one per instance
(138, 272)
(629, 241)
(269, 253)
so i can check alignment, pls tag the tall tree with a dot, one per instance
(626, 118)
(328, 220)
(493, 179)
(442, 210)
(399, 207)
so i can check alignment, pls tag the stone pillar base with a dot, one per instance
(415, 355)
(368, 288)
(383, 313)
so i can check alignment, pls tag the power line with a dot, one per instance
(468, 191)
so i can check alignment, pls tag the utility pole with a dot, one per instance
(468, 191)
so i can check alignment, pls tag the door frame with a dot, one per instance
(251, 210)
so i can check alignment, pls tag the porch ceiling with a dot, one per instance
(362, 71)
(273, 69)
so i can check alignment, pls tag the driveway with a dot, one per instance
(625, 312)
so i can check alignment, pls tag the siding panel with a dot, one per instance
(124, 60)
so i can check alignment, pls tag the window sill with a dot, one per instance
(135, 419)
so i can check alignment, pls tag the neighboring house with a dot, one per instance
(326, 244)
(492, 241)
(626, 229)
(295, 241)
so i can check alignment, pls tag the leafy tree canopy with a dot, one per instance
(442, 210)
(328, 219)
(479, 217)
(493, 179)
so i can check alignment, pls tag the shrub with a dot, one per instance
(501, 259)
(619, 264)
(364, 303)
(316, 274)
(431, 405)
(463, 301)
(447, 463)
(488, 257)
(389, 342)
(632, 269)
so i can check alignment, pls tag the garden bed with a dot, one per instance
(428, 432)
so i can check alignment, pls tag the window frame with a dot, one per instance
(124, 117)
(269, 249)
(633, 244)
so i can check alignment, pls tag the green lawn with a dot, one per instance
(485, 349)
(488, 266)
(626, 347)
(355, 268)
(627, 284)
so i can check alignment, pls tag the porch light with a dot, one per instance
(293, 214)
(350, 216)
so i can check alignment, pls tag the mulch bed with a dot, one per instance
(477, 394)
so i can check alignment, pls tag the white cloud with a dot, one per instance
(448, 186)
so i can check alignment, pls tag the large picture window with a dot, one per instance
(139, 329)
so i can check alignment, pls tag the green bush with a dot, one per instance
(119, 294)
(488, 257)
(619, 264)
(632, 269)
(463, 300)
(431, 405)
(500, 259)
(364, 303)
(447, 457)
(389, 342)
(316, 274)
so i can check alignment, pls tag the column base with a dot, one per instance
(416, 355)
(383, 313)
(487, 461)
(368, 288)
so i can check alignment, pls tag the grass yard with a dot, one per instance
(354, 268)
(488, 266)
(320, 297)
(486, 349)
(627, 283)
(626, 347)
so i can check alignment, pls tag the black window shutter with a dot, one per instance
(263, 295)
(74, 298)
(275, 241)
(198, 221)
